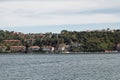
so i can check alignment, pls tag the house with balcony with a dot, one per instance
(34, 48)
(17, 48)
(12, 42)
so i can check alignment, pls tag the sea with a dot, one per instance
(60, 66)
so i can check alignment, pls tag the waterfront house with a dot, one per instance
(34, 48)
(108, 51)
(118, 47)
(17, 48)
(3, 48)
(48, 48)
(62, 47)
(75, 45)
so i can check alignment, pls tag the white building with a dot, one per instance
(118, 47)
(61, 47)
(3, 48)
(48, 48)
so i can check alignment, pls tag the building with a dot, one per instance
(3, 48)
(12, 42)
(17, 48)
(118, 47)
(34, 48)
(62, 47)
(48, 48)
(76, 44)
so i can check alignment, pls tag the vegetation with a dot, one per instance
(78, 41)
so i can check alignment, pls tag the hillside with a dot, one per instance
(97, 40)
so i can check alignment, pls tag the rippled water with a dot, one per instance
(60, 67)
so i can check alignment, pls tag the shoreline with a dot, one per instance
(51, 53)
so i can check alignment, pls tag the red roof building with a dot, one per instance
(17, 48)
(34, 48)
(11, 41)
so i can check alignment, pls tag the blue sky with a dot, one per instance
(55, 15)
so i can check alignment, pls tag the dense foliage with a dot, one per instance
(77, 41)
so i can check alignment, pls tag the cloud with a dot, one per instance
(57, 12)
(101, 11)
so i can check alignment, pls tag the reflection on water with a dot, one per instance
(60, 67)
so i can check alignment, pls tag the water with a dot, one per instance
(60, 67)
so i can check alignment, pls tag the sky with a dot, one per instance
(40, 16)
